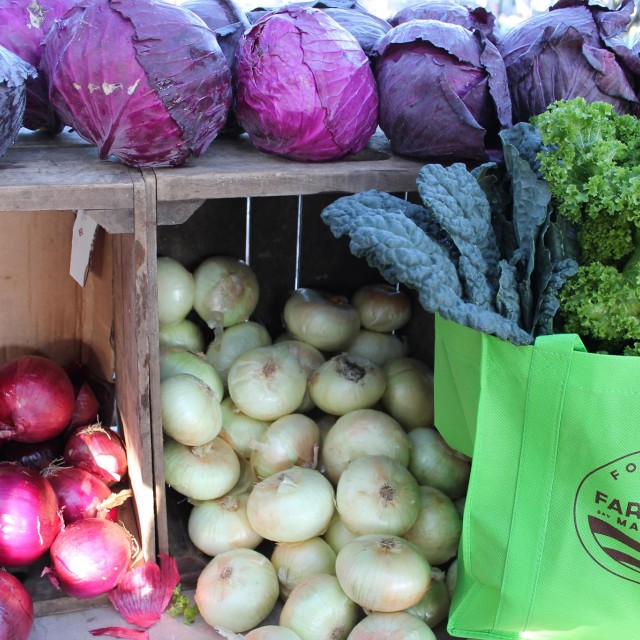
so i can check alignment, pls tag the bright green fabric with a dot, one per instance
(551, 544)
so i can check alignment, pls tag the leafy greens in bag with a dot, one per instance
(482, 250)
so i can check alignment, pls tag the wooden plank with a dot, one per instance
(132, 358)
(233, 168)
(61, 173)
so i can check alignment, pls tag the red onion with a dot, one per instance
(89, 557)
(86, 407)
(29, 516)
(82, 495)
(36, 399)
(145, 591)
(35, 455)
(16, 608)
(98, 451)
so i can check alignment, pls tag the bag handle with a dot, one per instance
(548, 375)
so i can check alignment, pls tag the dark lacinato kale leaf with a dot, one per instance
(507, 298)
(456, 201)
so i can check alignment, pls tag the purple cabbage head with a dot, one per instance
(14, 73)
(467, 15)
(25, 25)
(443, 91)
(573, 50)
(305, 89)
(367, 28)
(143, 80)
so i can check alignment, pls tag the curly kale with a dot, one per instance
(591, 161)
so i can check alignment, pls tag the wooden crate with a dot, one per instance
(43, 182)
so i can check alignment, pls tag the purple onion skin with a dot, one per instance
(16, 608)
(443, 91)
(305, 89)
(144, 81)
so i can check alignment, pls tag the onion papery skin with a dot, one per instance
(292, 505)
(201, 473)
(383, 573)
(435, 464)
(381, 307)
(438, 527)
(36, 399)
(35, 455)
(99, 451)
(176, 291)
(318, 609)
(376, 494)
(267, 383)
(378, 347)
(145, 591)
(408, 396)
(216, 526)
(175, 360)
(29, 516)
(226, 292)
(80, 494)
(190, 410)
(185, 334)
(239, 429)
(272, 632)
(346, 383)
(237, 590)
(326, 321)
(90, 557)
(231, 343)
(364, 432)
(295, 561)
(391, 626)
(293, 440)
(16, 608)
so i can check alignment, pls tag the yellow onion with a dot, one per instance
(272, 632)
(218, 525)
(376, 494)
(345, 383)
(383, 573)
(310, 359)
(391, 626)
(184, 333)
(294, 561)
(437, 530)
(364, 432)
(293, 440)
(434, 607)
(408, 396)
(267, 383)
(382, 307)
(239, 429)
(176, 290)
(318, 609)
(378, 347)
(338, 534)
(175, 360)
(226, 291)
(451, 577)
(201, 473)
(291, 505)
(237, 590)
(323, 320)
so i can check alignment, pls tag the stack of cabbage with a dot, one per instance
(315, 447)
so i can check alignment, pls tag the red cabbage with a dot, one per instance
(467, 15)
(305, 89)
(14, 72)
(574, 50)
(26, 23)
(443, 91)
(144, 80)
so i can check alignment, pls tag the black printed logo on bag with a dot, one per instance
(607, 516)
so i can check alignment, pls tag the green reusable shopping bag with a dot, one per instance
(550, 547)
